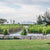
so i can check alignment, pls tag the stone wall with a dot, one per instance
(27, 37)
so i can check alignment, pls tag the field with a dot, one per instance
(24, 45)
(38, 29)
(11, 27)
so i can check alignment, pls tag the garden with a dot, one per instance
(39, 29)
(11, 28)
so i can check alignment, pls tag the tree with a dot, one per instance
(18, 22)
(5, 32)
(46, 18)
(39, 21)
(10, 21)
(24, 32)
(2, 21)
(7, 22)
(13, 21)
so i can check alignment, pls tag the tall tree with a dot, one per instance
(39, 21)
(47, 18)
(10, 21)
(13, 21)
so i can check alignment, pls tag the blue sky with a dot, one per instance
(23, 10)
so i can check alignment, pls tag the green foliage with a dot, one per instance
(10, 27)
(13, 21)
(5, 32)
(16, 37)
(38, 29)
(2, 21)
(39, 21)
(1, 30)
(24, 32)
(44, 31)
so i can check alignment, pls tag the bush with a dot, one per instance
(24, 32)
(1, 30)
(38, 29)
(16, 37)
(12, 28)
(5, 32)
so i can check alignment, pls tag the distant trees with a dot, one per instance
(44, 19)
(47, 16)
(2, 21)
(13, 21)
(39, 20)
(18, 22)
(10, 21)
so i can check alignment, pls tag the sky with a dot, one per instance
(23, 10)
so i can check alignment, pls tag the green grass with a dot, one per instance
(24, 45)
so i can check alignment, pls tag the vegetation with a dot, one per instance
(38, 29)
(11, 27)
(44, 18)
(5, 32)
(39, 21)
(44, 31)
(16, 38)
(24, 45)
(13, 21)
(2, 21)
(24, 32)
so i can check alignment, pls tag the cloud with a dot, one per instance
(45, 0)
(27, 1)
(25, 13)
(21, 10)
(6, 10)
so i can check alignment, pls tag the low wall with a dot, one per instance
(26, 37)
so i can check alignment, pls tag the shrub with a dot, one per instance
(24, 32)
(1, 30)
(16, 37)
(12, 27)
(5, 32)
(38, 29)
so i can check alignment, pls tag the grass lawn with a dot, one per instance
(24, 45)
